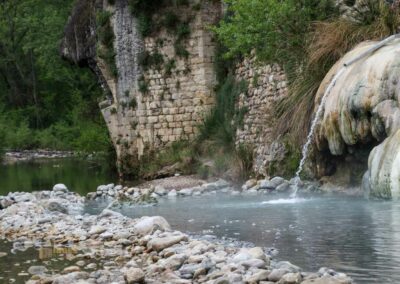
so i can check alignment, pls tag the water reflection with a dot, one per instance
(79, 175)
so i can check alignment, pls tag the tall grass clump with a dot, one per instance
(217, 134)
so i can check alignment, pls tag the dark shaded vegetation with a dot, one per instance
(105, 48)
(44, 101)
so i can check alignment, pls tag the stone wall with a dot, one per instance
(266, 85)
(153, 106)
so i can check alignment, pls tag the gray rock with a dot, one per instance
(71, 269)
(249, 184)
(69, 278)
(221, 183)
(190, 269)
(277, 181)
(186, 191)
(96, 230)
(37, 270)
(55, 205)
(110, 213)
(134, 275)
(158, 244)
(147, 225)
(285, 186)
(118, 188)
(258, 263)
(174, 262)
(161, 191)
(326, 280)
(172, 193)
(291, 278)
(60, 187)
(287, 266)
(277, 274)
(258, 276)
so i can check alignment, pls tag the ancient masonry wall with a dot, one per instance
(266, 86)
(162, 104)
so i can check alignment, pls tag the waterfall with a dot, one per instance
(306, 147)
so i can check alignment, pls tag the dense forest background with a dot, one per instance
(44, 101)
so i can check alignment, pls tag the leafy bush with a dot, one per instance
(216, 137)
(144, 10)
(171, 20)
(181, 51)
(182, 31)
(169, 66)
(143, 85)
(276, 29)
(151, 60)
(179, 154)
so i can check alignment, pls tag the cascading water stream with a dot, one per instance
(321, 106)
(310, 136)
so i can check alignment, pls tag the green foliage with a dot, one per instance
(153, 60)
(86, 137)
(103, 18)
(218, 125)
(106, 37)
(143, 85)
(276, 29)
(171, 21)
(144, 10)
(183, 31)
(169, 66)
(216, 138)
(181, 51)
(133, 103)
(44, 101)
(287, 168)
(178, 155)
(245, 157)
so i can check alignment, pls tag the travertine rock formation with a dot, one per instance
(363, 109)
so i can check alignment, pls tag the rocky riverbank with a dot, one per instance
(27, 155)
(112, 248)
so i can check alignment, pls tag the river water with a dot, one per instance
(358, 237)
(352, 235)
(80, 175)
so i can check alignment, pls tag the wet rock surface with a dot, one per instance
(112, 248)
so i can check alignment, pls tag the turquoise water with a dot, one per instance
(355, 236)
